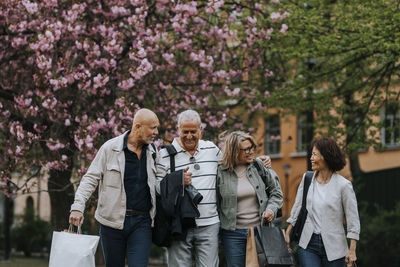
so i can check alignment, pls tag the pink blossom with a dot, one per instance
(17, 41)
(30, 7)
(54, 145)
(275, 16)
(126, 84)
(284, 28)
(252, 20)
(213, 6)
(168, 57)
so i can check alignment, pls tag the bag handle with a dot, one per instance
(71, 229)
(171, 152)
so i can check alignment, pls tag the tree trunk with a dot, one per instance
(61, 193)
(310, 136)
(309, 124)
(355, 169)
(6, 227)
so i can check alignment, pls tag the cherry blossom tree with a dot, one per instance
(74, 72)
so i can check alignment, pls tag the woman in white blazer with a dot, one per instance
(330, 201)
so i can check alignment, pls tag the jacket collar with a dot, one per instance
(119, 142)
(223, 167)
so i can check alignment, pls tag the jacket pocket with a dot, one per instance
(112, 177)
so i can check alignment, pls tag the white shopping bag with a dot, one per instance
(73, 250)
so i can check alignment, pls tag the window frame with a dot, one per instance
(393, 117)
(275, 148)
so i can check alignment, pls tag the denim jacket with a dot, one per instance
(227, 193)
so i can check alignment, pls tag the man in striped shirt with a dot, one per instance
(202, 158)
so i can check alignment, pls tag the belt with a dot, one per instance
(135, 212)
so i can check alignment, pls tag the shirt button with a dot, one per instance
(261, 201)
(257, 187)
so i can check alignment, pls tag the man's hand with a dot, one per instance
(76, 218)
(266, 160)
(187, 176)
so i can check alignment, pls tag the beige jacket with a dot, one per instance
(107, 171)
(341, 204)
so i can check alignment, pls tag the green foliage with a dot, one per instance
(32, 234)
(379, 240)
(347, 54)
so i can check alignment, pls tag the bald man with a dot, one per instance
(125, 172)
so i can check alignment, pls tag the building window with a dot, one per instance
(302, 133)
(272, 135)
(391, 125)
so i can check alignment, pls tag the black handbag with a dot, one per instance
(301, 218)
(271, 246)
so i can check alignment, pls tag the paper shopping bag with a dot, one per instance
(251, 250)
(73, 250)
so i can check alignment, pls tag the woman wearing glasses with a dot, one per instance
(242, 199)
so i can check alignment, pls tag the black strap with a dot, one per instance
(264, 178)
(171, 152)
(307, 182)
(261, 173)
(154, 155)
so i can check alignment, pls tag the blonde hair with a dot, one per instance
(231, 148)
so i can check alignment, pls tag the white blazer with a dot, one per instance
(341, 204)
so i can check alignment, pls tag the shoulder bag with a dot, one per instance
(301, 218)
(264, 178)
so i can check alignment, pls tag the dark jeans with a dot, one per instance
(315, 255)
(234, 244)
(134, 241)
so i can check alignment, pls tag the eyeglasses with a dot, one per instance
(193, 161)
(248, 150)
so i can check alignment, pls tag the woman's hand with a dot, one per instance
(351, 254)
(287, 237)
(350, 258)
(268, 215)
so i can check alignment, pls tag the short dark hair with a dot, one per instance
(330, 150)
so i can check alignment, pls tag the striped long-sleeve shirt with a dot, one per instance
(203, 167)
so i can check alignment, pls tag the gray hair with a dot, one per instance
(188, 115)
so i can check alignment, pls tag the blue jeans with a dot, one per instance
(134, 241)
(315, 255)
(234, 243)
